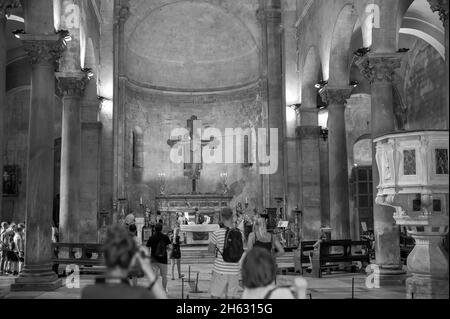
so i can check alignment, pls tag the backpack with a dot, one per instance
(233, 247)
(161, 249)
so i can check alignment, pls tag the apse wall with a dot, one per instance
(156, 114)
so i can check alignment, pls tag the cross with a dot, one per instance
(193, 163)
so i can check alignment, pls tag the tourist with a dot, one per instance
(121, 252)
(3, 247)
(55, 240)
(19, 246)
(259, 275)
(158, 247)
(13, 258)
(175, 254)
(225, 275)
(260, 237)
(135, 272)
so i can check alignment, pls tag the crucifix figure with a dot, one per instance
(193, 146)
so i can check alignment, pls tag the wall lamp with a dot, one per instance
(65, 35)
(88, 72)
(354, 83)
(321, 84)
(296, 106)
(361, 52)
(17, 33)
(324, 133)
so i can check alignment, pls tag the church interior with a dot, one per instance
(328, 117)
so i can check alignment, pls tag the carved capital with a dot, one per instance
(6, 6)
(43, 50)
(72, 84)
(379, 67)
(122, 11)
(335, 95)
(308, 132)
(440, 6)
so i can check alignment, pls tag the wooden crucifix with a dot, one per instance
(193, 161)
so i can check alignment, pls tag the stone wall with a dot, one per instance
(422, 82)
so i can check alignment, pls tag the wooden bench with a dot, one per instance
(86, 256)
(331, 254)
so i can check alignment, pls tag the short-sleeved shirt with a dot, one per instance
(153, 244)
(220, 266)
(19, 242)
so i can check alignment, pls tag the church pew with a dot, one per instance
(330, 254)
(86, 256)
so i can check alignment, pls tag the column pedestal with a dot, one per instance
(44, 51)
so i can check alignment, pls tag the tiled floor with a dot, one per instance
(336, 286)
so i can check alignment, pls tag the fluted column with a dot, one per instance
(269, 15)
(441, 6)
(119, 112)
(336, 98)
(72, 87)
(44, 51)
(2, 97)
(308, 134)
(379, 69)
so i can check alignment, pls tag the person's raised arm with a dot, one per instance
(157, 291)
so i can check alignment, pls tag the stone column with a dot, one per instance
(44, 51)
(119, 116)
(379, 69)
(308, 134)
(336, 98)
(270, 18)
(2, 97)
(72, 85)
(441, 6)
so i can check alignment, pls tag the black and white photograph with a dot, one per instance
(224, 152)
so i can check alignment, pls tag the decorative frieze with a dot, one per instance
(379, 67)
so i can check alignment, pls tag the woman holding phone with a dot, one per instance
(121, 254)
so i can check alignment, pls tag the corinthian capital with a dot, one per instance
(335, 95)
(440, 6)
(122, 11)
(72, 84)
(43, 49)
(6, 6)
(379, 67)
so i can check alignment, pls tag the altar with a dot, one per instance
(210, 205)
(203, 231)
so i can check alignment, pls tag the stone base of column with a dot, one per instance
(426, 287)
(390, 277)
(37, 278)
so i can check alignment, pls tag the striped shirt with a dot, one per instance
(220, 266)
